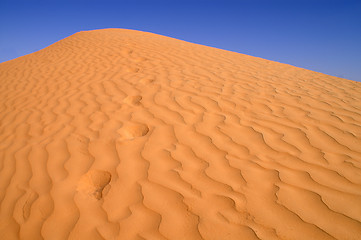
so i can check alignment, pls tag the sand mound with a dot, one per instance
(133, 130)
(190, 142)
(133, 100)
(94, 182)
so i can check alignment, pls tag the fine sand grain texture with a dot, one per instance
(121, 134)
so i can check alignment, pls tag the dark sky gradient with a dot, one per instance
(319, 35)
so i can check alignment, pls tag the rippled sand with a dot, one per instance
(120, 134)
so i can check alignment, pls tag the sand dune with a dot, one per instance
(121, 134)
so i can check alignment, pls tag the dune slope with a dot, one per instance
(121, 134)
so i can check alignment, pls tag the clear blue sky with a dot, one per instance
(319, 35)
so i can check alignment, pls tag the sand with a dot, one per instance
(121, 134)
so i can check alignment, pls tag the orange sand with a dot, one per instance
(120, 134)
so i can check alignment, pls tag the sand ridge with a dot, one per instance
(122, 134)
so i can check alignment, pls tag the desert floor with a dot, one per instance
(121, 134)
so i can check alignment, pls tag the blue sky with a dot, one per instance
(320, 35)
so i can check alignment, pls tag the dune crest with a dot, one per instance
(121, 134)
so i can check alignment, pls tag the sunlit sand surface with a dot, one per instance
(121, 134)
